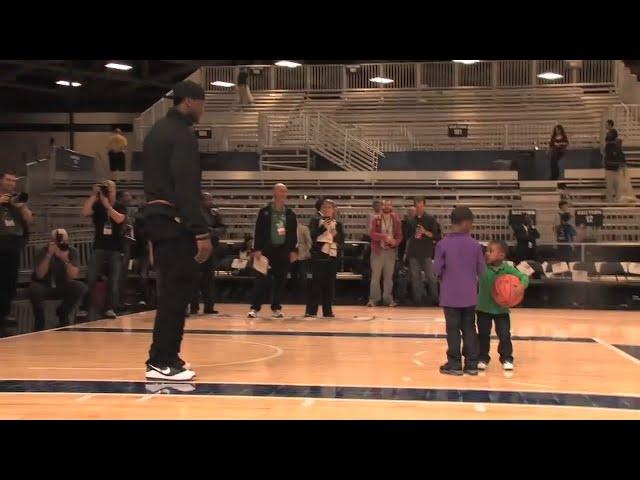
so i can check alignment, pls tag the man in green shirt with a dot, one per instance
(489, 311)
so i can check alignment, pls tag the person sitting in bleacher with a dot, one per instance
(55, 278)
(108, 220)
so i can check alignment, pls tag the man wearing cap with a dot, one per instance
(55, 278)
(175, 224)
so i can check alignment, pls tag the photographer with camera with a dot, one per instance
(15, 218)
(108, 220)
(55, 278)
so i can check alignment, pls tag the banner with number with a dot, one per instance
(515, 216)
(592, 217)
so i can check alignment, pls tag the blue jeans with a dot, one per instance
(114, 261)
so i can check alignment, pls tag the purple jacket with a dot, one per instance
(458, 263)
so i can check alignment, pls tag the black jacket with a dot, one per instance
(316, 228)
(262, 237)
(172, 172)
(424, 247)
(523, 237)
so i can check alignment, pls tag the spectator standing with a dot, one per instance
(385, 231)
(527, 236)
(116, 149)
(423, 234)
(557, 148)
(244, 92)
(276, 239)
(15, 218)
(207, 283)
(108, 218)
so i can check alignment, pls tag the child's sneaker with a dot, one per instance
(448, 369)
(507, 366)
(252, 314)
(483, 365)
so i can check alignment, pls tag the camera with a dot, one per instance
(62, 245)
(104, 189)
(22, 197)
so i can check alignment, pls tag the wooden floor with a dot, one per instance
(368, 363)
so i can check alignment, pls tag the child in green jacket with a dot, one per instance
(488, 310)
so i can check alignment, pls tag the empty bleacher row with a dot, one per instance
(401, 120)
(240, 194)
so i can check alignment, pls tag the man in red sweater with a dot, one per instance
(386, 234)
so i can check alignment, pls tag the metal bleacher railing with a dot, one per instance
(412, 112)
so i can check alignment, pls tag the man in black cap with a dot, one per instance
(175, 225)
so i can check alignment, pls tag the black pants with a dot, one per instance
(116, 161)
(206, 286)
(461, 323)
(299, 271)
(503, 330)
(554, 163)
(523, 252)
(9, 265)
(322, 285)
(70, 293)
(174, 249)
(276, 278)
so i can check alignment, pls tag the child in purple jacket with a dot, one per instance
(458, 263)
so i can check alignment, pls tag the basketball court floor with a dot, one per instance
(368, 363)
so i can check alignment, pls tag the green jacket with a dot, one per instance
(486, 303)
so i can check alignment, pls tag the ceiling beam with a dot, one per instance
(87, 73)
(31, 88)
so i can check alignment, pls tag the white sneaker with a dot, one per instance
(370, 304)
(507, 366)
(482, 365)
(277, 314)
(252, 314)
(169, 373)
(110, 314)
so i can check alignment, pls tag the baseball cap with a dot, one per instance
(187, 89)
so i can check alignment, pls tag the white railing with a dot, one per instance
(439, 75)
(338, 145)
(322, 135)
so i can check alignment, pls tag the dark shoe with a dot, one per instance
(194, 310)
(447, 369)
(211, 311)
(330, 315)
(471, 371)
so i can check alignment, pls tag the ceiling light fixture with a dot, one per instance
(550, 76)
(288, 64)
(119, 66)
(382, 80)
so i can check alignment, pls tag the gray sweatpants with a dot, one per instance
(383, 264)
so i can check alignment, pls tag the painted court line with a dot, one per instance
(617, 350)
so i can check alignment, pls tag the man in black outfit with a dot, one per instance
(55, 278)
(15, 218)
(527, 236)
(423, 233)
(206, 283)
(275, 238)
(175, 225)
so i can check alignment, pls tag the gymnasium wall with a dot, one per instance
(24, 137)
